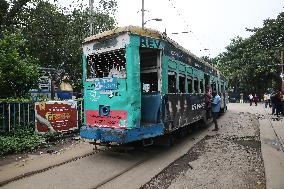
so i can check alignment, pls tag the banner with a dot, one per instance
(55, 116)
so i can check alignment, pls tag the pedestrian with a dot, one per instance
(208, 98)
(216, 105)
(269, 99)
(250, 99)
(273, 102)
(278, 103)
(241, 98)
(265, 98)
(255, 99)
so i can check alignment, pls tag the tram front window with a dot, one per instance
(107, 64)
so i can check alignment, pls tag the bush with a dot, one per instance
(19, 140)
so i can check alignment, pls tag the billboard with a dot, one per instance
(55, 116)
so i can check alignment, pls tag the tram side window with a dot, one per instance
(201, 86)
(172, 82)
(222, 88)
(107, 64)
(195, 85)
(213, 86)
(189, 84)
(182, 84)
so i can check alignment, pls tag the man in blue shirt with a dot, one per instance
(216, 105)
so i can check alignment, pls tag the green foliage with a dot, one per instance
(56, 34)
(9, 12)
(18, 70)
(52, 34)
(19, 140)
(251, 64)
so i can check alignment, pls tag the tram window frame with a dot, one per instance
(189, 85)
(172, 83)
(196, 90)
(182, 83)
(106, 64)
(213, 86)
(201, 86)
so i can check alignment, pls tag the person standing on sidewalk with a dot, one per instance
(265, 98)
(273, 102)
(278, 103)
(250, 99)
(242, 98)
(216, 105)
(255, 99)
(269, 99)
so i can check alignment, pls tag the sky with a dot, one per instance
(211, 24)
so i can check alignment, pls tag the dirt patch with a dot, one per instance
(165, 178)
(248, 142)
(229, 159)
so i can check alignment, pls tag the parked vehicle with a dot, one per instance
(140, 84)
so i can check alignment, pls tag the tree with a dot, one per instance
(50, 33)
(18, 70)
(9, 12)
(251, 64)
(56, 34)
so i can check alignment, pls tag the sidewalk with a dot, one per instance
(272, 143)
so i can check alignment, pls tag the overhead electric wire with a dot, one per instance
(188, 28)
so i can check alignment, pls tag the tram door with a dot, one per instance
(150, 79)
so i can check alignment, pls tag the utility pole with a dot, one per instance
(282, 73)
(142, 11)
(91, 2)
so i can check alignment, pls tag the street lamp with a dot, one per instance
(156, 19)
(175, 33)
(142, 11)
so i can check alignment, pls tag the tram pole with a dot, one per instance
(142, 11)
(282, 72)
(91, 2)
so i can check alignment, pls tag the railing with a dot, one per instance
(22, 115)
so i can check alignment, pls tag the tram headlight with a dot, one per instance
(104, 110)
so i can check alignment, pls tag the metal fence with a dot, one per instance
(22, 115)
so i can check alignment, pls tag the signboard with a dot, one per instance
(115, 119)
(55, 116)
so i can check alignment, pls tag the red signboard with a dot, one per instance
(116, 119)
(55, 116)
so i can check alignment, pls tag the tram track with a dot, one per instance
(97, 186)
(99, 160)
(32, 173)
(96, 151)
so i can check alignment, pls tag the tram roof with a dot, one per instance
(143, 32)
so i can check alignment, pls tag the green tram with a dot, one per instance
(140, 84)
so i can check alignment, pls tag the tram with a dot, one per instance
(140, 84)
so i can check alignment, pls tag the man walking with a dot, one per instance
(216, 105)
